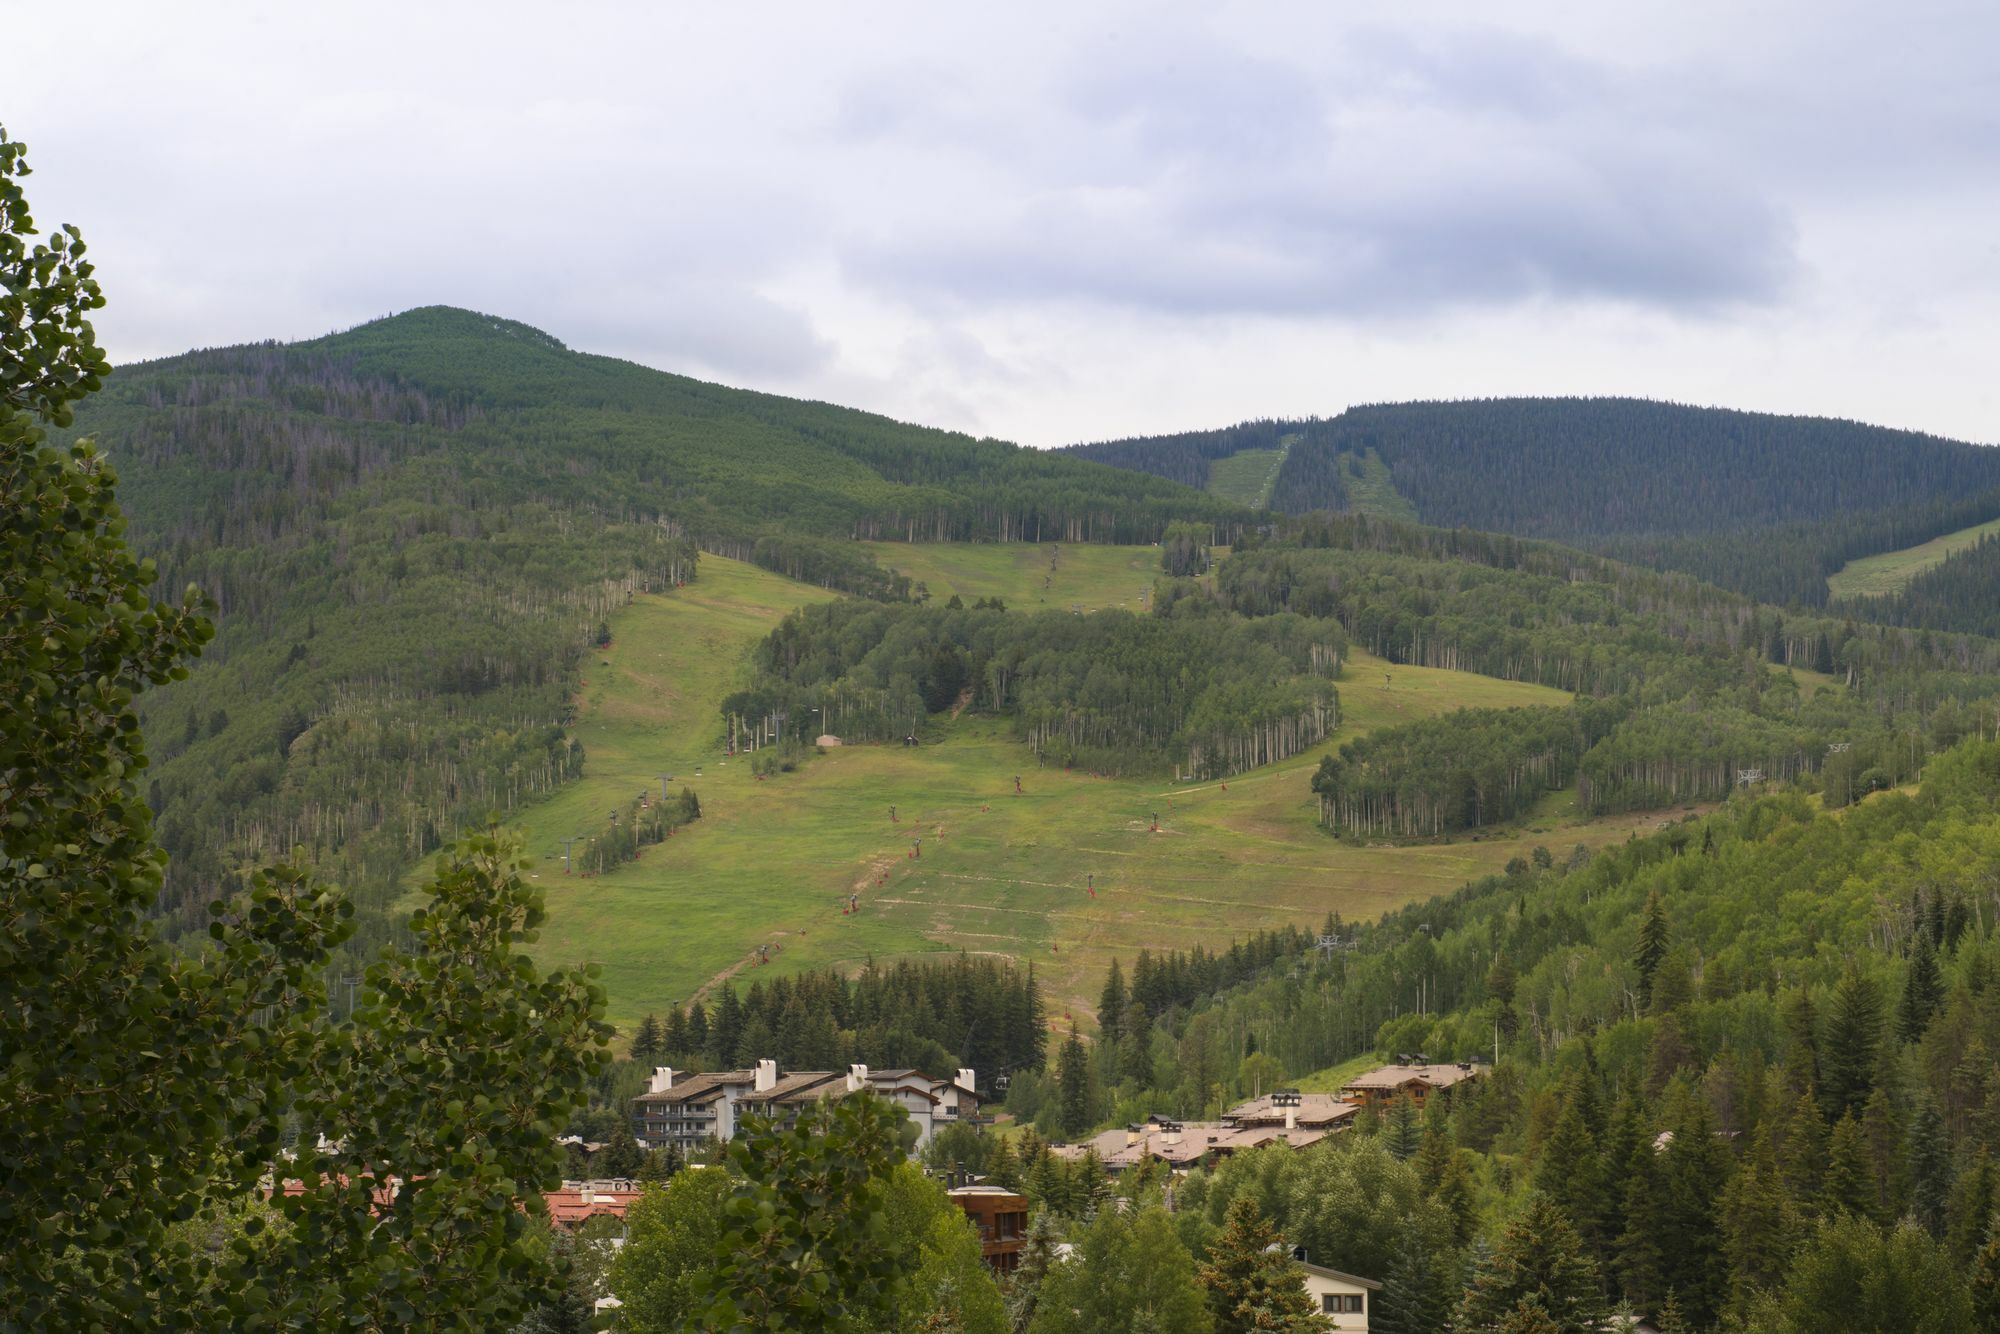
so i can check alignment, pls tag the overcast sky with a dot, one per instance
(1065, 222)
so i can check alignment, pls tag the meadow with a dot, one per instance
(1887, 572)
(1247, 476)
(772, 863)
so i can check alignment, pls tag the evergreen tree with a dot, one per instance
(1402, 1129)
(1024, 1285)
(1003, 1168)
(1566, 1171)
(1848, 1186)
(1930, 1168)
(1073, 1087)
(646, 1041)
(1539, 1261)
(1801, 1041)
(1421, 1291)
(1694, 1171)
(1639, 1265)
(1882, 1132)
(725, 1029)
(1654, 941)
(1758, 1224)
(1985, 1283)
(660, 1165)
(1804, 1159)
(1923, 990)
(1111, 1005)
(621, 1155)
(1852, 1035)
(696, 1042)
(1974, 1202)
(1251, 1280)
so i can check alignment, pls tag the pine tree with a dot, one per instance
(1566, 1171)
(1848, 1186)
(696, 1041)
(1802, 1041)
(725, 1028)
(1402, 1128)
(621, 1155)
(1024, 1286)
(646, 1042)
(1930, 1168)
(1251, 1280)
(1923, 990)
(1851, 1038)
(1654, 941)
(1539, 1260)
(1089, 1186)
(1003, 1168)
(1694, 1171)
(1420, 1292)
(660, 1165)
(1639, 1265)
(1111, 1005)
(1073, 1087)
(1974, 1202)
(1804, 1158)
(1758, 1223)
(1985, 1283)
(1882, 1130)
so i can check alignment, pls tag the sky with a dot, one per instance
(1054, 223)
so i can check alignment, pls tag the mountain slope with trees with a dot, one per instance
(1768, 505)
(415, 531)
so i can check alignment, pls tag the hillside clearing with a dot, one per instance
(1246, 477)
(771, 862)
(1887, 572)
(1028, 576)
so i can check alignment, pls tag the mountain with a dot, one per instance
(413, 531)
(1769, 505)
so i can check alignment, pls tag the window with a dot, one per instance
(1340, 1303)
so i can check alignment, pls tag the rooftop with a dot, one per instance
(1434, 1076)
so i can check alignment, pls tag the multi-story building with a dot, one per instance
(1001, 1218)
(687, 1111)
(1378, 1088)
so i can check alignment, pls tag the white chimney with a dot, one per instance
(965, 1080)
(1291, 1117)
(767, 1077)
(857, 1078)
(662, 1080)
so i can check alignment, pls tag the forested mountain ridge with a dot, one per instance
(1767, 504)
(413, 531)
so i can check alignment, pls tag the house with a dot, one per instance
(1185, 1144)
(1379, 1087)
(580, 1201)
(1343, 1299)
(1293, 1110)
(1001, 1217)
(687, 1111)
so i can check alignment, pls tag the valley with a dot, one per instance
(772, 861)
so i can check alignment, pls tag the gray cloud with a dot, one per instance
(1051, 221)
(1396, 179)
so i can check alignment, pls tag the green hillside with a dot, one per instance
(1890, 571)
(413, 529)
(772, 860)
(1246, 478)
(1768, 505)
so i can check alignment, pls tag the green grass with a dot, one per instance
(1246, 477)
(1374, 490)
(772, 862)
(1027, 575)
(1333, 1077)
(1885, 573)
